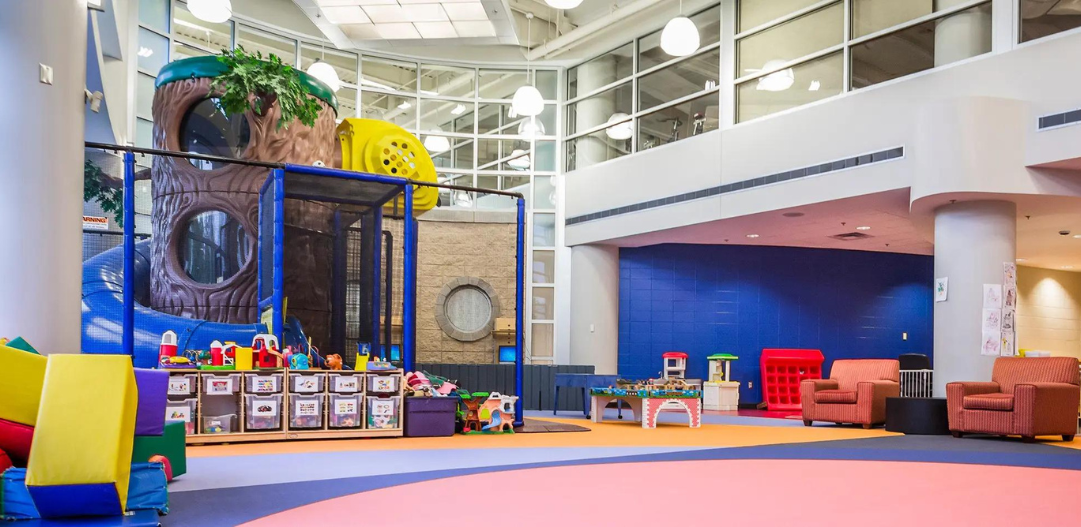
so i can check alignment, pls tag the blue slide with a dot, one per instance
(103, 301)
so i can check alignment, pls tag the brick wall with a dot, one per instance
(455, 244)
(1049, 311)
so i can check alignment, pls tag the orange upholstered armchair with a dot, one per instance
(855, 393)
(1028, 397)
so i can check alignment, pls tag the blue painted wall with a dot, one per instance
(705, 299)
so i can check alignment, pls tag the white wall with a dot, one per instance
(1049, 311)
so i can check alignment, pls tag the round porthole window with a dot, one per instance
(207, 129)
(466, 309)
(213, 247)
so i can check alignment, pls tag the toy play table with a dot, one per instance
(647, 404)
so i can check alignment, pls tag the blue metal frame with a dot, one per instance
(337, 292)
(377, 272)
(409, 278)
(128, 338)
(519, 312)
(278, 319)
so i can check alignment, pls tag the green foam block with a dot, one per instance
(170, 444)
(20, 343)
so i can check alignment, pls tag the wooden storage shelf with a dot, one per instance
(285, 433)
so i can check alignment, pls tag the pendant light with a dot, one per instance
(213, 11)
(680, 36)
(619, 127)
(564, 4)
(527, 99)
(325, 72)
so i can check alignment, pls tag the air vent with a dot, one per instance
(849, 236)
(815, 170)
(1060, 119)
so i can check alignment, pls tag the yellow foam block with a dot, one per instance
(21, 377)
(86, 423)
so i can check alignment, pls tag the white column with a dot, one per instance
(41, 166)
(595, 307)
(972, 241)
(962, 35)
(592, 112)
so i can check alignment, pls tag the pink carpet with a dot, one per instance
(732, 492)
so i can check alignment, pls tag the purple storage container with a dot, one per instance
(430, 416)
(153, 385)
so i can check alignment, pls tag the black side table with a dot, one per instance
(917, 415)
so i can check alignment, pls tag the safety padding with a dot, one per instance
(81, 459)
(21, 377)
(146, 492)
(15, 439)
(170, 445)
(20, 343)
(16, 501)
(153, 391)
(5, 462)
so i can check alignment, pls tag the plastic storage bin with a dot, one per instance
(265, 383)
(183, 384)
(306, 411)
(264, 412)
(430, 416)
(310, 383)
(182, 410)
(383, 412)
(344, 411)
(345, 382)
(219, 424)
(383, 383)
(221, 384)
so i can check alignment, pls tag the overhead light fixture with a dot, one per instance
(815, 86)
(1067, 267)
(620, 127)
(405, 105)
(458, 110)
(752, 236)
(528, 100)
(778, 80)
(1022, 260)
(863, 228)
(326, 73)
(520, 160)
(145, 51)
(530, 128)
(213, 11)
(436, 144)
(680, 36)
(564, 4)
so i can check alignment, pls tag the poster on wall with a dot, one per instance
(992, 343)
(942, 286)
(992, 320)
(1007, 345)
(1009, 309)
(992, 296)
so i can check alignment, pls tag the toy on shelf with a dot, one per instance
(334, 361)
(168, 345)
(217, 354)
(675, 364)
(266, 351)
(298, 361)
(647, 399)
(720, 392)
(364, 351)
(379, 365)
(177, 362)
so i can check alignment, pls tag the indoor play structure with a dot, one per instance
(278, 199)
(67, 451)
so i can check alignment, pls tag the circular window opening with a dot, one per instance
(213, 247)
(207, 129)
(468, 309)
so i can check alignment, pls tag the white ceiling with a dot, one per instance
(1039, 244)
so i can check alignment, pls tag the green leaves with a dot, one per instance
(95, 188)
(257, 83)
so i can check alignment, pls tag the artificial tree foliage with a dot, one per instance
(96, 188)
(257, 83)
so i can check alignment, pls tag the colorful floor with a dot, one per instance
(731, 469)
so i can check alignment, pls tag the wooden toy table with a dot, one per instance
(647, 404)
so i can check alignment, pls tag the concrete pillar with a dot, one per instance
(972, 241)
(592, 112)
(595, 307)
(962, 35)
(41, 166)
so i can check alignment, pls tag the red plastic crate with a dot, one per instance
(782, 372)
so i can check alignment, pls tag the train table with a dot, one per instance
(648, 401)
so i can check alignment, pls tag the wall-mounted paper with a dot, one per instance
(992, 296)
(992, 343)
(992, 320)
(942, 287)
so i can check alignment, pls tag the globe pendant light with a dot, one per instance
(436, 144)
(619, 127)
(213, 11)
(564, 4)
(680, 36)
(778, 80)
(325, 72)
(527, 100)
